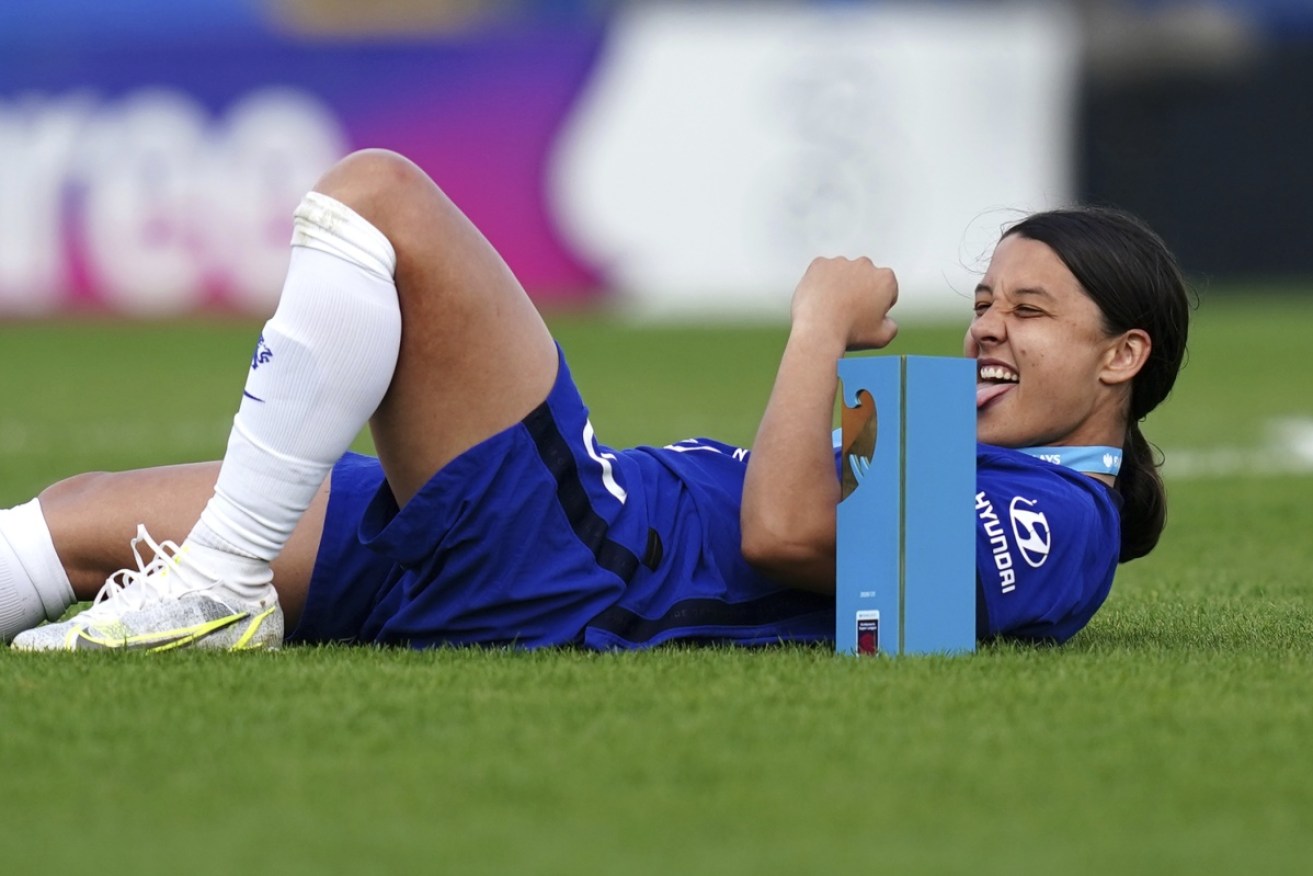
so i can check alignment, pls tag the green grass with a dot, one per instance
(1173, 735)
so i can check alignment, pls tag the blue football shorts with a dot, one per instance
(518, 542)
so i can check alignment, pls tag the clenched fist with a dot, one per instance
(849, 297)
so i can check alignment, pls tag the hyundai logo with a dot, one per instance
(1031, 531)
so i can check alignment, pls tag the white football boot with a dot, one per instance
(152, 608)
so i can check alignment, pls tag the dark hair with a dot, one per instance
(1127, 270)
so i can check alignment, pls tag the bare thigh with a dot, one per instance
(93, 518)
(475, 355)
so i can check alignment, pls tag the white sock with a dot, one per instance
(33, 584)
(320, 370)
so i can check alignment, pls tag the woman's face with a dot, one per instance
(1045, 372)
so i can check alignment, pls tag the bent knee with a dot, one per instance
(377, 184)
(381, 167)
(73, 491)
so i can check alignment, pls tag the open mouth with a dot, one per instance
(994, 379)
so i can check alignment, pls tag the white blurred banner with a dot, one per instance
(717, 149)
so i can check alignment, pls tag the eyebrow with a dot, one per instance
(1031, 291)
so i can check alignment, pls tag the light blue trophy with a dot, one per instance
(906, 526)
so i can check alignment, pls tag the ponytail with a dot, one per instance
(1144, 498)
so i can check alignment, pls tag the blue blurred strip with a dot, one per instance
(95, 23)
(92, 21)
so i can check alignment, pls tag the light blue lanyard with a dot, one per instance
(1090, 460)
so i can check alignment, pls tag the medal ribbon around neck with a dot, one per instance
(1092, 459)
(1088, 460)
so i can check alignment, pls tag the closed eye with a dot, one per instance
(1021, 310)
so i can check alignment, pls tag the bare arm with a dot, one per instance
(791, 490)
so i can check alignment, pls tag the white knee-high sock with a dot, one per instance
(33, 584)
(319, 371)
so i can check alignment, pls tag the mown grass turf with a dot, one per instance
(1173, 735)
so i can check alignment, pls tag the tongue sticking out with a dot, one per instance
(987, 392)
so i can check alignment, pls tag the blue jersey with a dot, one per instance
(1047, 543)
(541, 536)
(702, 587)
(1048, 537)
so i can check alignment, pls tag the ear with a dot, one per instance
(1126, 356)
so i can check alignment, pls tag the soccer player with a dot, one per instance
(493, 514)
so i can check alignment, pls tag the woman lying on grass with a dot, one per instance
(493, 515)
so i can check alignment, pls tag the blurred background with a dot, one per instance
(682, 159)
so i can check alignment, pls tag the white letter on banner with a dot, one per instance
(275, 144)
(37, 141)
(143, 221)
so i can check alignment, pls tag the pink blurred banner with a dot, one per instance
(155, 179)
